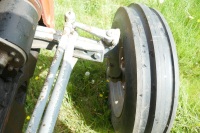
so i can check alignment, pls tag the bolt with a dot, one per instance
(4, 59)
(97, 56)
(10, 68)
(12, 54)
(123, 87)
(70, 17)
(109, 33)
(17, 60)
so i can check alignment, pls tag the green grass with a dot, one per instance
(85, 107)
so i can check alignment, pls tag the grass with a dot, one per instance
(85, 107)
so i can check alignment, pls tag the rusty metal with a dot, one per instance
(48, 13)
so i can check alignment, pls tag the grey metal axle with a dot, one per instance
(57, 96)
(72, 46)
(66, 44)
(44, 95)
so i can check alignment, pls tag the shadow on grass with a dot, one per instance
(62, 127)
(89, 95)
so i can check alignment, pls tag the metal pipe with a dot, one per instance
(110, 37)
(46, 29)
(55, 102)
(86, 44)
(42, 100)
(47, 34)
(44, 36)
(92, 30)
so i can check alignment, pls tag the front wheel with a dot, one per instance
(145, 96)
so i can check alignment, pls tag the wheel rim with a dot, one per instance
(118, 88)
(117, 97)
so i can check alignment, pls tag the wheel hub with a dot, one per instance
(118, 88)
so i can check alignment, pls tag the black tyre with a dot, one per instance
(8, 92)
(145, 98)
(13, 89)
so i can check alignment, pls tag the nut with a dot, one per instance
(12, 54)
(109, 33)
(10, 68)
(17, 60)
(97, 56)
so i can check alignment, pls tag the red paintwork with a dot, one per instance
(48, 13)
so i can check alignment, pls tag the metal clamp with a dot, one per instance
(110, 37)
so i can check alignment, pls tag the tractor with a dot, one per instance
(142, 65)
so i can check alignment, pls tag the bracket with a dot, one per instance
(84, 48)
